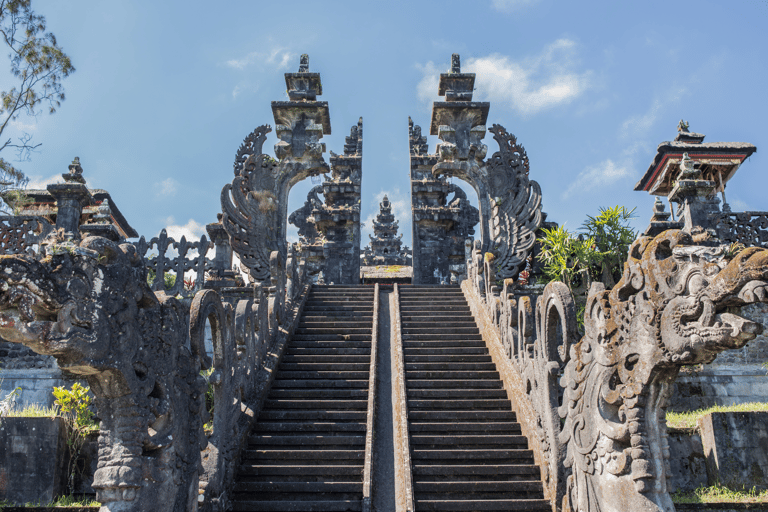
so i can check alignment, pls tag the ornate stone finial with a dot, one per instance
(659, 215)
(75, 174)
(455, 63)
(304, 63)
(688, 170)
(682, 126)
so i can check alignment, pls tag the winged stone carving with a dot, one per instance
(249, 205)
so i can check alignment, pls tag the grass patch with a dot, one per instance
(720, 494)
(62, 501)
(689, 419)
(34, 411)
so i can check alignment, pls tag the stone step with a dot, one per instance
(328, 405)
(462, 393)
(332, 317)
(341, 350)
(345, 375)
(442, 324)
(326, 366)
(454, 471)
(440, 330)
(454, 384)
(449, 351)
(266, 488)
(445, 374)
(450, 428)
(447, 358)
(299, 427)
(360, 356)
(330, 330)
(355, 323)
(492, 403)
(307, 472)
(456, 367)
(439, 441)
(345, 311)
(473, 340)
(470, 505)
(282, 383)
(415, 308)
(445, 416)
(294, 393)
(307, 440)
(312, 415)
(250, 505)
(306, 456)
(484, 454)
(479, 486)
(331, 341)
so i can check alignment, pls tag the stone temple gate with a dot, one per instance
(299, 389)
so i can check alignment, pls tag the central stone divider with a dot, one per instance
(369, 430)
(467, 449)
(403, 468)
(309, 448)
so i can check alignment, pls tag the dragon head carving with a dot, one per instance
(676, 304)
(88, 305)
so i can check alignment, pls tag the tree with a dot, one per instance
(38, 65)
(612, 237)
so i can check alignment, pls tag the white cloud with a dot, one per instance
(511, 5)
(166, 188)
(401, 208)
(40, 183)
(527, 86)
(605, 173)
(277, 57)
(23, 127)
(192, 230)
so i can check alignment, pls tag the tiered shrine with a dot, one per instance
(385, 246)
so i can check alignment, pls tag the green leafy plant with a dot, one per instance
(611, 235)
(74, 405)
(209, 399)
(565, 256)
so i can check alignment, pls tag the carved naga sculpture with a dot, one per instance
(602, 429)
(88, 305)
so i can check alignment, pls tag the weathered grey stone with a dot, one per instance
(90, 307)
(687, 463)
(255, 204)
(33, 459)
(736, 448)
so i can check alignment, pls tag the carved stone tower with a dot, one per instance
(441, 227)
(385, 247)
(338, 220)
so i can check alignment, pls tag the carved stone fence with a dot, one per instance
(23, 234)
(85, 300)
(593, 406)
(747, 228)
(191, 256)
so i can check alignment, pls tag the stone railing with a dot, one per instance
(142, 350)
(747, 228)
(190, 257)
(593, 405)
(22, 234)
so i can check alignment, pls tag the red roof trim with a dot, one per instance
(680, 155)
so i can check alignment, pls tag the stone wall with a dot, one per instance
(736, 448)
(687, 462)
(735, 377)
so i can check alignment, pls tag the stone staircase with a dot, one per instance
(307, 450)
(467, 451)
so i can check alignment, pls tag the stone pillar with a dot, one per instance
(70, 198)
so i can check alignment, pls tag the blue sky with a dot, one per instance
(165, 92)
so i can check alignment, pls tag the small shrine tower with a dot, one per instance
(385, 246)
